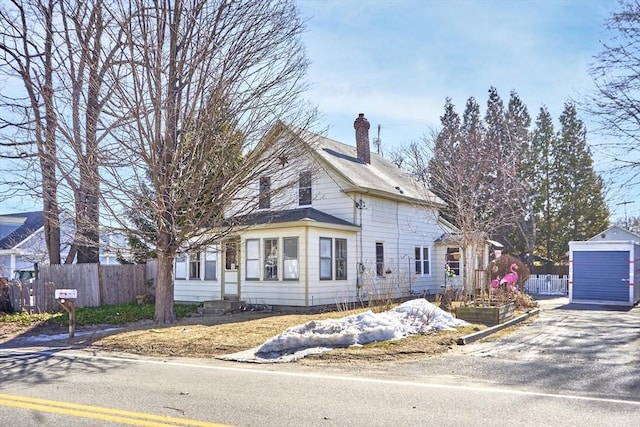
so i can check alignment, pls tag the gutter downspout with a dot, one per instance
(306, 270)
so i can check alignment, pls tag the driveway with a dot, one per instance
(570, 333)
(567, 349)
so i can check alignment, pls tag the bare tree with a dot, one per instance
(29, 118)
(614, 102)
(202, 92)
(464, 173)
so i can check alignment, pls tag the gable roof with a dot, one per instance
(381, 177)
(615, 233)
(31, 222)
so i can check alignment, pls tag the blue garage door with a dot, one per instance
(601, 275)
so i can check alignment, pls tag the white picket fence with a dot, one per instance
(547, 284)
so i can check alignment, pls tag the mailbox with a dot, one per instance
(66, 293)
(67, 300)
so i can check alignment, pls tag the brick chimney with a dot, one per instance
(362, 126)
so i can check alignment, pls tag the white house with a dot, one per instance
(355, 228)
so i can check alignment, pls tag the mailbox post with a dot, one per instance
(67, 299)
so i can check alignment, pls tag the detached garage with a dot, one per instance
(603, 271)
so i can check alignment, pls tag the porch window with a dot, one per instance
(379, 259)
(423, 262)
(453, 260)
(341, 259)
(210, 262)
(264, 199)
(325, 258)
(181, 267)
(230, 256)
(270, 259)
(304, 190)
(290, 266)
(194, 265)
(253, 259)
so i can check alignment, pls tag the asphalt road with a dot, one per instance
(568, 367)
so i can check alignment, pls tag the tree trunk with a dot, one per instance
(164, 313)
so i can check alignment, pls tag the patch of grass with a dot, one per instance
(25, 319)
(109, 314)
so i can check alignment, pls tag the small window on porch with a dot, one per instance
(290, 258)
(210, 262)
(194, 265)
(270, 259)
(181, 267)
(253, 259)
(341, 259)
(230, 256)
(325, 259)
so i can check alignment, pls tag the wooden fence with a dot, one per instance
(96, 285)
(543, 284)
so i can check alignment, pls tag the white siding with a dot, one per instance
(400, 227)
(196, 290)
(331, 292)
(199, 290)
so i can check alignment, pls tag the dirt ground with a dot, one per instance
(209, 337)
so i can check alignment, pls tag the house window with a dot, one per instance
(181, 267)
(290, 267)
(304, 190)
(422, 261)
(453, 260)
(341, 259)
(379, 259)
(194, 265)
(253, 259)
(210, 262)
(325, 259)
(264, 199)
(270, 259)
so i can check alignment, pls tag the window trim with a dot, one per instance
(451, 251)
(422, 261)
(285, 259)
(305, 195)
(275, 262)
(182, 259)
(339, 258)
(380, 259)
(321, 258)
(214, 259)
(264, 194)
(195, 259)
(247, 260)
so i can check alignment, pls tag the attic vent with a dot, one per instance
(400, 190)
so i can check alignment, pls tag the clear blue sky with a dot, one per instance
(397, 61)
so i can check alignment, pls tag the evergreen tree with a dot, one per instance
(582, 211)
(445, 151)
(541, 168)
(520, 236)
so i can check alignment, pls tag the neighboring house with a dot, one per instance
(605, 269)
(22, 242)
(357, 228)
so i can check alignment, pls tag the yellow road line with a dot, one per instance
(100, 413)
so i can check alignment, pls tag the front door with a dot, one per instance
(231, 272)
